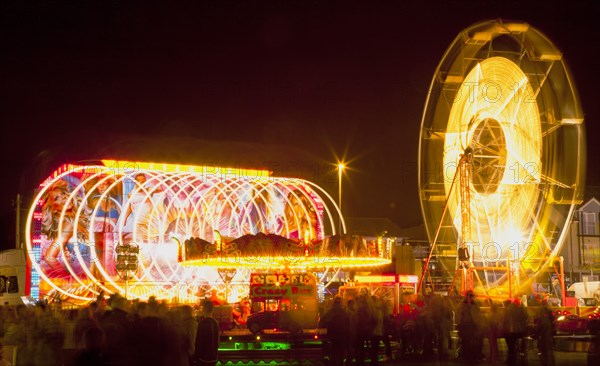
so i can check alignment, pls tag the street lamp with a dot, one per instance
(341, 167)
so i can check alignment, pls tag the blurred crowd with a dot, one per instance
(107, 332)
(114, 331)
(423, 329)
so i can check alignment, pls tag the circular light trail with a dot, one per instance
(503, 94)
(81, 214)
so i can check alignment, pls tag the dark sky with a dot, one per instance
(144, 80)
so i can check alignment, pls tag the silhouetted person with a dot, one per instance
(545, 333)
(494, 322)
(469, 329)
(377, 336)
(93, 353)
(516, 328)
(365, 326)
(117, 326)
(352, 318)
(337, 322)
(207, 337)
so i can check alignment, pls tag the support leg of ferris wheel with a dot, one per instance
(425, 269)
(469, 272)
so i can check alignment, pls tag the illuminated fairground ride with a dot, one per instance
(502, 157)
(180, 232)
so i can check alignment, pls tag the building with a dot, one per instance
(581, 249)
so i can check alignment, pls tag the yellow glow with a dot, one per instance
(496, 90)
(121, 166)
(408, 279)
(341, 166)
(374, 278)
(517, 120)
(196, 202)
(277, 262)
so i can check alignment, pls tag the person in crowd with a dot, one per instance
(154, 339)
(86, 319)
(19, 332)
(117, 325)
(337, 322)
(3, 361)
(493, 331)
(207, 337)
(469, 329)
(389, 330)
(444, 325)
(365, 326)
(352, 331)
(408, 329)
(545, 335)
(49, 337)
(93, 353)
(186, 327)
(515, 323)
(427, 321)
(377, 336)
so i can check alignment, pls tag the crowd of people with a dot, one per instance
(357, 328)
(115, 331)
(111, 332)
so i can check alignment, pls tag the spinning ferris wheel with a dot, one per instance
(501, 156)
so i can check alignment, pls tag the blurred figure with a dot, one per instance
(93, 353)
(516, 329)
(352, 321)
(337, 322)
(365, 326)
(186, 329)
(207, 337)
(469, 329)
(3, 361)
(545, 333)
(19, 334)
(48, 338)
(494, 323)
(85, 320)
(444, 327)
(118, 327)
(377, 337)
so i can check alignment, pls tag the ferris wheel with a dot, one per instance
(501, 156)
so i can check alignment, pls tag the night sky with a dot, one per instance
(288, 85)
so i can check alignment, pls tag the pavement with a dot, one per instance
(568, 351)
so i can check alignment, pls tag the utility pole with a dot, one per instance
(18, 222)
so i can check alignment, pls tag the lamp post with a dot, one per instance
(341, 167)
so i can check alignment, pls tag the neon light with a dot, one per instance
(81, 213)
(375, 278)
(408, 279)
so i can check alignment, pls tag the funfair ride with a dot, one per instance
(501, 157)
(180, 232)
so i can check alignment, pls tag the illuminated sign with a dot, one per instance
(375, 279)
(268, 291)
(408, 279)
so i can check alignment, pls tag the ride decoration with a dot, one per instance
(271, 251)
(82, 213)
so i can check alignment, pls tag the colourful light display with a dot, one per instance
(83, 214)
(503, 97)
